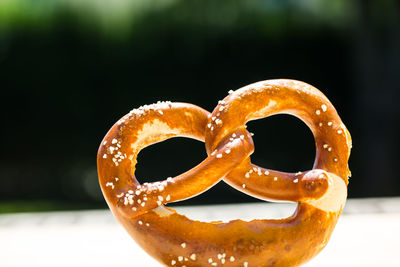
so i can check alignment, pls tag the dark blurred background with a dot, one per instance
(69, 69)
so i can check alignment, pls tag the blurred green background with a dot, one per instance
(69, 69)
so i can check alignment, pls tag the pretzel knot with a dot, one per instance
(175, 240)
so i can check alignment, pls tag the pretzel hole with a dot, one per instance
(283, 143)
(242, 211)
(168, 158)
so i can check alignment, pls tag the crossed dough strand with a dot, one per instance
(175, 240)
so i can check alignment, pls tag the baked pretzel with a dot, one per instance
(175, 240)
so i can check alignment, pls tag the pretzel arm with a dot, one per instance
(269, 184)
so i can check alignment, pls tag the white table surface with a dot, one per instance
(367, 234)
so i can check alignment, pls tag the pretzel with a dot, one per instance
(175, 240)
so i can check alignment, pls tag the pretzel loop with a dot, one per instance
(262, 99)
(148, 125)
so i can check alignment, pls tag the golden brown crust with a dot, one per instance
(175, 240)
